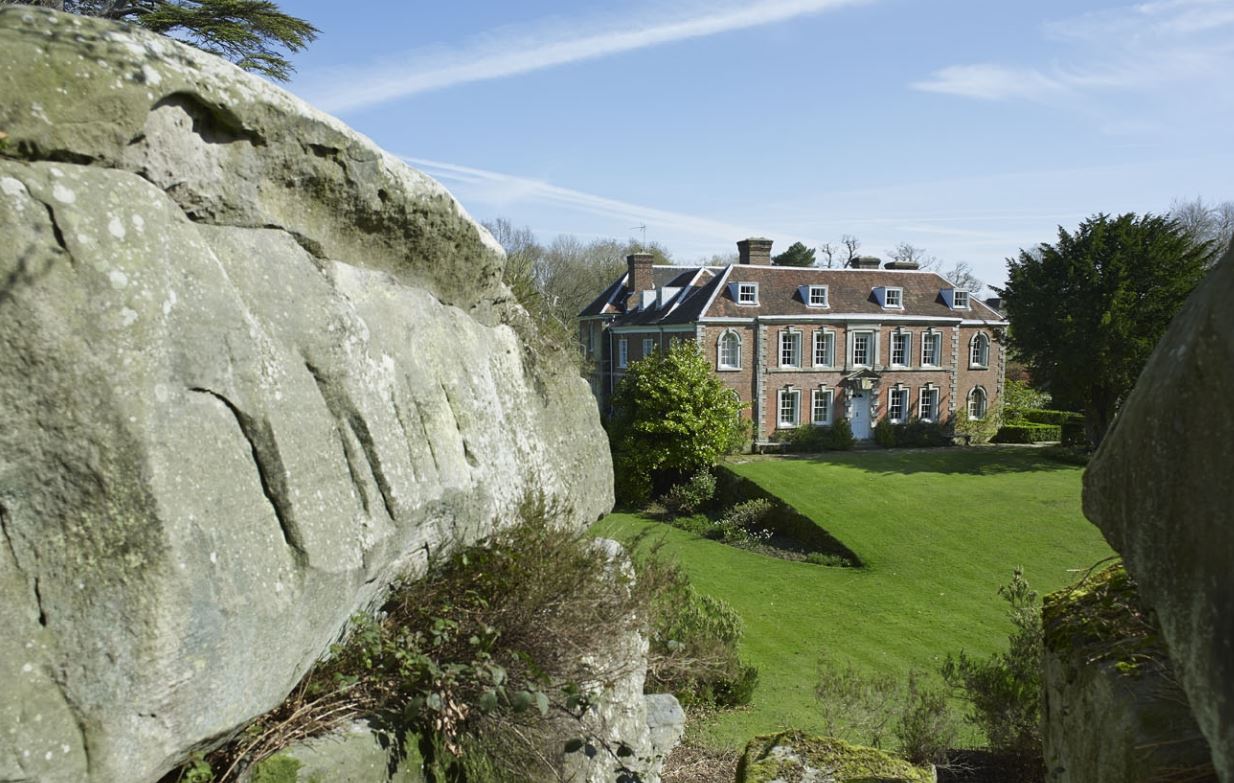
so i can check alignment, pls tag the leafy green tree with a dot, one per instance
(671, 417)
(796, 255)
(250, 33)
(1087, 311)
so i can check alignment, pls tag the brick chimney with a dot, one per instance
(641, 278)
(865, 262)
(755, 251)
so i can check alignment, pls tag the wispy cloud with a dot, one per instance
(1131, 48)
(509, 52)
(500, 191)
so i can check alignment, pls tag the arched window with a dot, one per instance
(979, 351)
(976, 403)
(729, 351)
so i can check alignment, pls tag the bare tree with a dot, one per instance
(828, 252)
(1213, 224)
(962, 277)
(852, 248)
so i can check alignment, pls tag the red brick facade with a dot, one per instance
(881, 349)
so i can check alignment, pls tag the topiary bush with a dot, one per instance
(839, 436)
(885, 433)
(1027, 432)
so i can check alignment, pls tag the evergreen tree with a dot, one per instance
(1087, 311)
(250, 33)
(796, 255)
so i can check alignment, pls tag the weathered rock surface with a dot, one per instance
(1160, 489)
(1112, 709)
(251, 367)
(794, 757)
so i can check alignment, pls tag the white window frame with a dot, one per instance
(747, 288)
(906, 354)
(784, 395)
(872, 341)
(817, 289)
(979, 351)
(902, 393)
(623, 353)
(819, 395)
(827, 339)
(932, 408)
(736, 363)
(932, 338)
(649, 346)
(899, 295)
(794, 339)
(977, 392)
(959, 300)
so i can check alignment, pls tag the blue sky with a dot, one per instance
(969, 128)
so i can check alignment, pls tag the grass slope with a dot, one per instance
(939, 531)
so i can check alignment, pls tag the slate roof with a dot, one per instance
(849, 291)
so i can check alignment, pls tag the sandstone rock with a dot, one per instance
(354, 755)
(1160, 489)
(251, 369)
(1112, 709)
(794, 757)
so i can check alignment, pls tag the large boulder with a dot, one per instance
(252, 368)
(795, 757)
(1112, 709)
(1161, 488)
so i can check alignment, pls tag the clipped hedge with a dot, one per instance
(1074, 434)
(811, 439)
(1040, 416)
(1028, 432)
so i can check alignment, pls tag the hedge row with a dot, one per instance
(1028, 432)
(1041, 416)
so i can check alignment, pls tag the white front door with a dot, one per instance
(861, 415)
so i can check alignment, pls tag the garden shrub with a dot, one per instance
(1073, 432)
(885, 433)
(692, 495)
(978, 430)
(1018, 396)
(692, 639)
(483, 659)
(811, 439)
(698, 524)
(839, 436)
(854, 704)
(1004, 690)
(1027, 432)
(745, 523)
(1040, 416)
(926, 727)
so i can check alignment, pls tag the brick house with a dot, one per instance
(804, 346)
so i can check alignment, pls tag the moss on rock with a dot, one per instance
(1102, 619)
(795, 757)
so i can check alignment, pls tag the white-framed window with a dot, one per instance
(820, 406)
(979, 351)
(901, 344)
(817, 296)
(931, 349)
(824, 349)
(623, 353)
(897, 404)
(790, 348)
(927, 406)
(747, 293)
(729, 351)
(649, 346)
(893, 297)
(789, 407)
(976, 403)
(863, 344)
(959, 300)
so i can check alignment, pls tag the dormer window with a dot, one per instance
(817, 296)
(961, 300)
(747, 293)
(893, 297)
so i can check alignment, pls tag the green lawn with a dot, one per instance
(938, 530)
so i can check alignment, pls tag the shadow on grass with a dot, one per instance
(972, 461)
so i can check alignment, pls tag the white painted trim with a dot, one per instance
(623, 353)
(929, 387)
(979, 322)
(670, 328)
(814, 349)
(899, 387)
(737, 284)
(908, 349)
(720, 366)
(728, 319)
(720, 286)
(831, 405)
(865, 317)
(810, 295)
(789, 330)
(780, 423)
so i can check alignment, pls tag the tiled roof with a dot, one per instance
(849, 292)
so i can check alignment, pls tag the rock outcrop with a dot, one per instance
(792, 756)
(1112, 709)
(1160, 489)
(251, 368)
